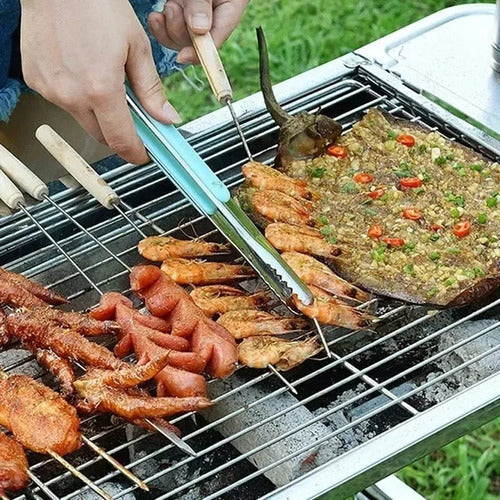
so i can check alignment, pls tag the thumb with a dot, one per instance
(146, 84)
(198, 15)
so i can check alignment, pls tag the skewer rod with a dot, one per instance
(291, 388)
(321, 335)
(117, 465)
(80, 476)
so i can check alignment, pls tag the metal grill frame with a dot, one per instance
(367, 462)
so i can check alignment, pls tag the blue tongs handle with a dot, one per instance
(182, 164)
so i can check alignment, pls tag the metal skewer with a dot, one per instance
(37, 188)
(217, 77)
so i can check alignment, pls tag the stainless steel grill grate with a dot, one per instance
(260, 438)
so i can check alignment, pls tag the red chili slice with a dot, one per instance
(337, 151)
(375, 231)
(376, 193)
(394, 242)
(406, 140)
(462, 229)
(436, 227)
(412, 213)
(363, 178)
(411, 182)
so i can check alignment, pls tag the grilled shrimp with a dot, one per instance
(330, 311)
(281, 207)
(313, 272)
(263, 177)
(246, 323)
(219, 299)
(159, 248)
(290, 238)
(259, 352)
(197, 272)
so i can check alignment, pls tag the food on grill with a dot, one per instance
(59, 367)
(13, 465)
(281, 207)
(264, 178)
(80, 322)
(249, 322)
(15, 295)
(290, 238)
(32, 329)
(312, 272)
(33, 288)
(219, 299)
(301, 136)
(260, 352)
(417, 222)
(113, 391)
(38, 417)
(331, 311)
(4, 333)
(159, 248)
(197, 272)
(166, 299)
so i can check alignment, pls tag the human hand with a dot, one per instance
(170, 27)
(77, 55)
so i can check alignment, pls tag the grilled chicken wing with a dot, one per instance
(5, 336)
(13, 465)
(37, 416)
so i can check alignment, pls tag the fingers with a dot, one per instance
(87, 119)
(226, 17)
(118, 128)
(146, 83)
(198, 15)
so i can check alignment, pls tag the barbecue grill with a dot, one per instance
(387, 397)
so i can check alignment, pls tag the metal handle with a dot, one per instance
(22, 175)
(9, 193)
(77, 166)
(212, 65)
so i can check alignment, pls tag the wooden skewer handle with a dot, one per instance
(21, 175)
(209, 57)
(76, 166)
(9, 193)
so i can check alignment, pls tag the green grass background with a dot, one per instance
(302, 34)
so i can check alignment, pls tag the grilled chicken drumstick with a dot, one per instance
(13, 465)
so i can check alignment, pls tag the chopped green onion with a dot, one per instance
(325, 230)
(491, 202)
(434, 256)
(384, 197)
(432, 291)
(479, 272)
(369, 211)
(454, 251)
(440, 160)
(422, 148)
(476, 167)
(482, 218)
(408, 247)
(434, 237)
(322, 219)
(316, 172)
(426, 176)
(450, 157)
(331, 239)
(470, 273)
(378, 254)
(409, 269)
(349, 187)
(450, 281)
(455, 213)
(419, 190)
(392, 134)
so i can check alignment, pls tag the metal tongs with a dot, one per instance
(194, 178)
